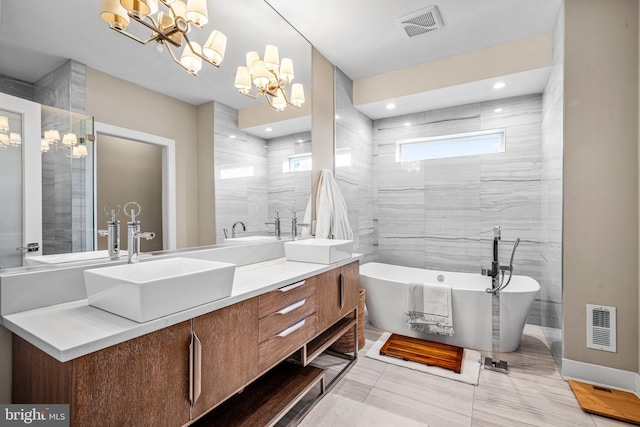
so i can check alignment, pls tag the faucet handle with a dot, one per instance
(111, 210)
(132, 213)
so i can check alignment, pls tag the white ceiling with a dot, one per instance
(361, 37)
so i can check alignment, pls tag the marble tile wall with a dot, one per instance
(551, 233)
(243, 198)
(440, 213)
(65, 223)
(288, 191)
(16, 87)
(354, 165)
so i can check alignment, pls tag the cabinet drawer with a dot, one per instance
(280, 298)
(285, 317)
(281, 345)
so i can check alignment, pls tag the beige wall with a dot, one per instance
(121, 178)
(206, 176)
(509, 58)
(600, 237)
(322, 123)
(120, 103)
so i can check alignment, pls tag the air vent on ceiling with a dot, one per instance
(421, 22)
(601, 327)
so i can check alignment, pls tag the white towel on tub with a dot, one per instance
(428, 308)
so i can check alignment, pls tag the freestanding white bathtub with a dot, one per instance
(386, 287)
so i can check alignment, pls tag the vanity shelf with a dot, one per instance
(322, 342)
(268, 399)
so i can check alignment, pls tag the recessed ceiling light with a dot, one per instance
(301, 140)
(232, 136)
(337, 117)
(391, 106)
(498, 110)
(268, 129)
(407, 124)
(499, 85)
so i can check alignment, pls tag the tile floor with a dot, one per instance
(375, 393)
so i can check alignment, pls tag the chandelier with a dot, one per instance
(270, 76)
(69, 143)
(169, 28)
(7, 138)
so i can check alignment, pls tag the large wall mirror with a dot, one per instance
(50, 62)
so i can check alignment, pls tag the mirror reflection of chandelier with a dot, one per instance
(169, 28)
(270, 76)
(74, 148)
(7, 138)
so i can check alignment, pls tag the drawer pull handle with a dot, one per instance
(292, 329)
(292, 307)
(292, 286)
(341, 292)
(195, 369)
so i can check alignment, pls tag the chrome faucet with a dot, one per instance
(495, 262)
(233, 228)
(295, 225)
(497, 282)
(111, 210)
(134, 234)
(276, 224)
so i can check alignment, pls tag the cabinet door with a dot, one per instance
(337, 293)
(141, 382)
(229, 342)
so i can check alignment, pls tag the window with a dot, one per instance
(297, 163)
(457, 145)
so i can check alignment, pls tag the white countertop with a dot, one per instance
(73, 329)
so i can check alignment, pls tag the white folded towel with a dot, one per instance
(428, 308)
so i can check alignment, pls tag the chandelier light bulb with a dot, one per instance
(286, 70)
(51, 136)
(190, 60)
(271, 58)
(297, 94)
(15, 139)
(260, 75)
(197, 12)
(114, 14)
(251, 58)
(140, 8)
(179, 9)
(243, 80)
(215, 47)
(44, 146)
(279, 102)
(79, 151)
(69, 139)
(4, 124)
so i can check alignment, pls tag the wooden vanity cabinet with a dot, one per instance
(229, 343)
(337, 293)
(140, 382)
(153, 379)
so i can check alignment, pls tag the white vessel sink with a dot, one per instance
(319, 251)
(245, 240)
(147, 290)
(72, 257)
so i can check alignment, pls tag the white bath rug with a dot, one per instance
(469, 371)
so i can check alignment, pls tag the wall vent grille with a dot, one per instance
(421, 22)
(601, 327)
